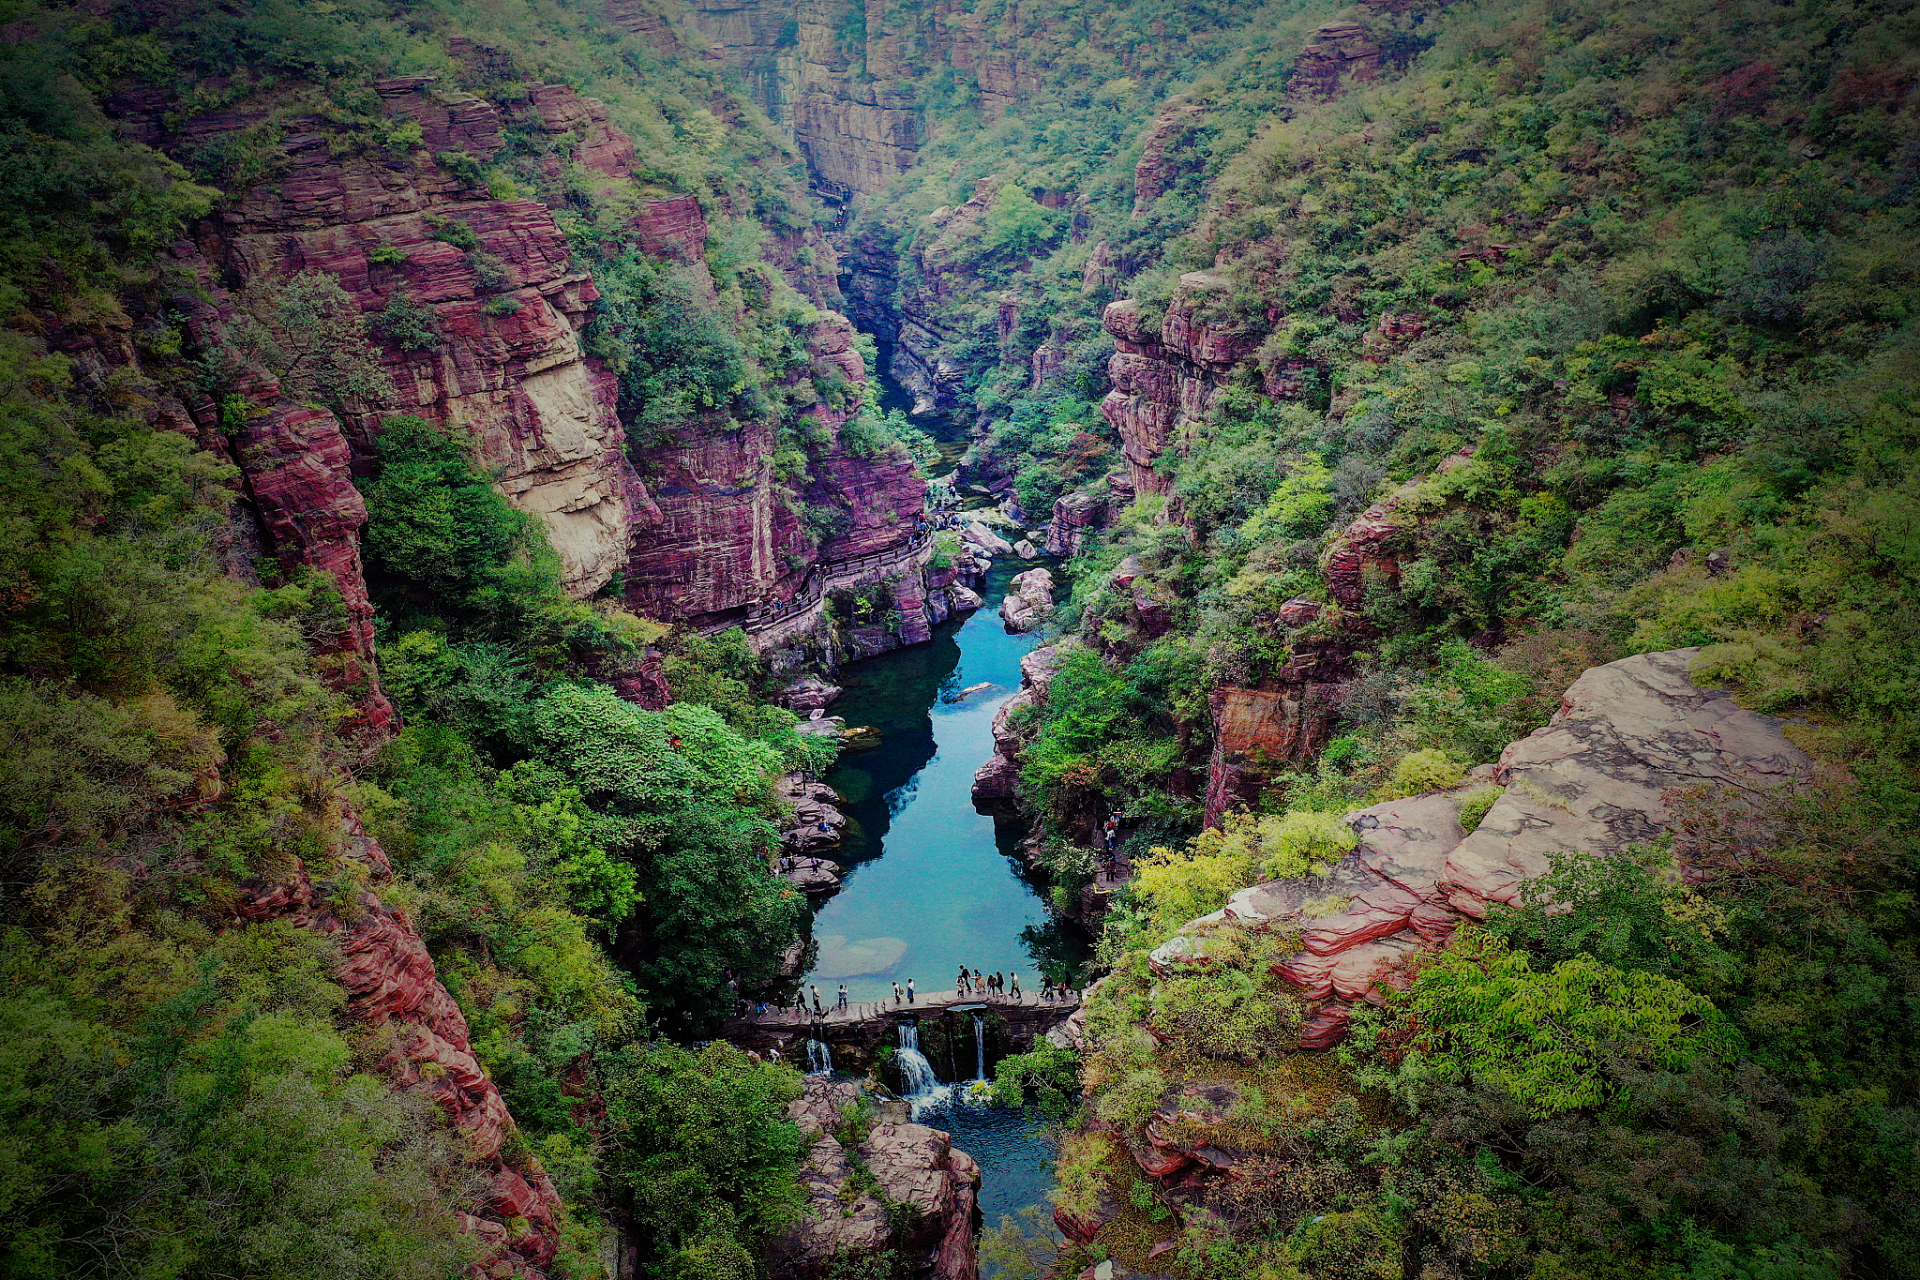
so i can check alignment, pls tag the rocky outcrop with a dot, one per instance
(816, 822)
(1257, 732)
(1167, 150)
(493, 284)
(1597, 779)
(1168, 377)
(1338, 54)
(997, 781)
(1029, 601)
(934, 1186)
(393, 989)
(809, 693)
(727, 539)
(1076, 518)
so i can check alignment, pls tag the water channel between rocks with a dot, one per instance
(929, 884)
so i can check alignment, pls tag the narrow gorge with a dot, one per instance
(956, 639)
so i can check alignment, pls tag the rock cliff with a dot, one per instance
(1599, 777)
(393, 990)
(1168, 376)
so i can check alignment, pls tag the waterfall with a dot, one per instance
(923, 1090)
(819, 1058)
(979, 1047)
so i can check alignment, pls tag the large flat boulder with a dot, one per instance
(1598, 777)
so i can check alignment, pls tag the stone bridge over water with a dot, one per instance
(947, 1032)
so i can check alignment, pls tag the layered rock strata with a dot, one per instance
(392, 987)
(911, 1166)
(1167, 377)
(1598, 778)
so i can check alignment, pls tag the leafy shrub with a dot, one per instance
(1475, 804)
(1222, 1012)
(407, 324)
(1420, 772)
(1302, 842)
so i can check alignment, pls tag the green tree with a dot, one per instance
(1554, 1040)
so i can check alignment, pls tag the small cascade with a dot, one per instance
(979, 1047)
(819, 1058)
(923, 1088)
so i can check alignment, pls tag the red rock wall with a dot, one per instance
(1167, 378)
(392, 986)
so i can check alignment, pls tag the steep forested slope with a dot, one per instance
(1524, 339)
(346, 897)
(397, 401)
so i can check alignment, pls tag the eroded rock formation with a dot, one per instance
(1598, 778)
(912, 1166)
(1168, 376)
(393, 988)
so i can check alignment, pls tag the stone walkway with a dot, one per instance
(927, 1003)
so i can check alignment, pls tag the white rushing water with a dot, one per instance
(923, 1088)
(979, 1047)
(819, 1058)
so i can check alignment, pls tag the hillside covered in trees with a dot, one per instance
(435, 436)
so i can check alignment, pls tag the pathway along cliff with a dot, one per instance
(930, 884)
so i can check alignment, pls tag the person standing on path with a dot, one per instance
(843, 996)
(909, 990)
(896, 991)
(1016, 988)
(979, 983)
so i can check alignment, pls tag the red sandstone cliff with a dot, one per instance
(393, 989)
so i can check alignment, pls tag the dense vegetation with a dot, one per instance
(1643, 263)
(186, 1092)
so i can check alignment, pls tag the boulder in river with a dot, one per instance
(914, 1167)
(986, 539)
(816, 822)
(1030, 602)
(815, 877)
(1026, 550)
(809, 693)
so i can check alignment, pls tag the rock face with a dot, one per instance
(1258, 730)
(509, 366)
(727, 539)
(1595, 778)
(817, 822)
(1337, 54)
(1592, 782)
(914, 1166)
(1169, 376)
(1165, 152)
(843, 74)
(1076, 517)
(710, 534)
(392, 987)
(1030, 602)
(997, 780)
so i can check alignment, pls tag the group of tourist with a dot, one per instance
(966, 984)
(993, 984)
(1109, 850)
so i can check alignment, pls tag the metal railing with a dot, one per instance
(820, 579)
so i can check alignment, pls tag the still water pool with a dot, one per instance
(930, 885)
